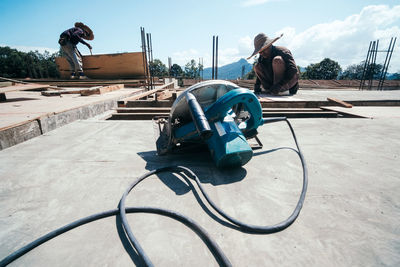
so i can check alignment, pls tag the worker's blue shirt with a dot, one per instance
(74, 35)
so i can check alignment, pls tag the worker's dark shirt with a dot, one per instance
(291, 68)
(74, 35)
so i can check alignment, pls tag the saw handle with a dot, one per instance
(198, 116)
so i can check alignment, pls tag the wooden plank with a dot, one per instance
(137, 116)
(168, 109)
(145, 103)
(314, 114)
(340, 102)
(85, 92)
(59, 92)
(144, 110)
(146, 115)
(21, 87)
(101, 89)
(348, 113)
(108, 66)
(145, 94)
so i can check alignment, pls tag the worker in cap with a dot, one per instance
(275, 69)
(68, 41)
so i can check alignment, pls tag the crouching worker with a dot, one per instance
(275, 69)
(68, 41)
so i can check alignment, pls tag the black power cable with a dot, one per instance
(214, 248)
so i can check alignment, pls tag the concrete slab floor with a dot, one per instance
(350, 217)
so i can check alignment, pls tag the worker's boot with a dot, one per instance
(73, 76)
(82, 76)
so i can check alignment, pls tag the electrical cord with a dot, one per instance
(214, 248)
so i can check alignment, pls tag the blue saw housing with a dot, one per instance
(217, 113)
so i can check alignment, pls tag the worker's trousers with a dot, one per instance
(73, 56)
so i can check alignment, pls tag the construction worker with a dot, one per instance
(68, 41)
(275, 69)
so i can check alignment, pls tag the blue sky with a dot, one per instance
(182, 30)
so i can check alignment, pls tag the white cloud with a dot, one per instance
(346, 41)
(255, 2)
(32, 48)
(183, 57)
(225, 55)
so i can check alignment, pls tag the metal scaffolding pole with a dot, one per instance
(216, 58)
(373, 65)
(213, 60)
(365, 67)
(150, 52)
(144, 52)
(387, 61)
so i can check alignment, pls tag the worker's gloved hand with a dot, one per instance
(89, 46)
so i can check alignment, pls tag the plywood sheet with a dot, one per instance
(108, 66)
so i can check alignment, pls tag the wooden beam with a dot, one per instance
(59, 92)
(85, 92)
(107, 66)
(101, 89)
(144, 94)
(340, 102)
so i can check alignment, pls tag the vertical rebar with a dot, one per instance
(169, 66)
(151, 46)
(212, 68)
(150, 58)
(144, 55)
(216, 58)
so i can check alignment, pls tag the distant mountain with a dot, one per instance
(231, 71)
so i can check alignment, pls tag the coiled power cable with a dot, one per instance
(214, 248)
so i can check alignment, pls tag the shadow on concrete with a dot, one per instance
(203, 166)
(126, 243)
(200, 162)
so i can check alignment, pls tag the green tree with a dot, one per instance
(396, 76)
(200, 68)
(192, 70)
(176, 71)
(327, 69)
(251, 75)
(158, 69)
(355, 71)
(17, 64)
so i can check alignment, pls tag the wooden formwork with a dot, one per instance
(108, 66)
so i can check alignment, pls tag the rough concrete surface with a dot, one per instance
(350, 216)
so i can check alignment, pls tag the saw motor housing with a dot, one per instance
(217, 113)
